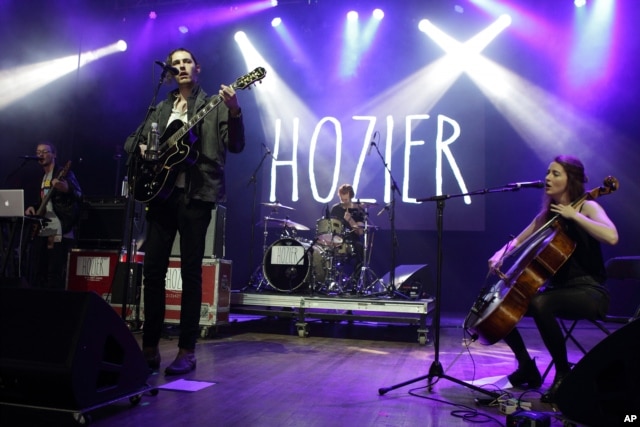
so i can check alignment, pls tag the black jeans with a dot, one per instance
(571, 303)
(191, 220)
(49, 263)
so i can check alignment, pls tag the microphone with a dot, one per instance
(383, 209)
(29, 157)
(372, 142)
(168, 68)
(527, 184)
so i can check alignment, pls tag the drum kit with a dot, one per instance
(293, 263)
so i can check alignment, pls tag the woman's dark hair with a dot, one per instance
(576, 178)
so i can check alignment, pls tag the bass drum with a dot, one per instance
(286, 267)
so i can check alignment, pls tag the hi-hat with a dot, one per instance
(276, 205)
(365, 205)
(278, 222)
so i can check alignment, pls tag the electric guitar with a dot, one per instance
(42, 209)
(156, 179)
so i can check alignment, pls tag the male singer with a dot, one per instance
(186, 208)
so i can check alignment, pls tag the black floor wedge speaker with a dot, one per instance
(65, 350)
(412, 280)
(604, 386)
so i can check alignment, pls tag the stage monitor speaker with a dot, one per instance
(604, 386)
(215, 244)
(104, 222)
(65, 350)
(412, 280)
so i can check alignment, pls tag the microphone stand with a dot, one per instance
(252, 180)
(8, 177)
(436, 371)
(133, 160)
(390, 287)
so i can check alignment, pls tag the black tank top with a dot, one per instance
(586, 265)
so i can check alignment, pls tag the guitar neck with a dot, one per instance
(43, 206)
(201, 114)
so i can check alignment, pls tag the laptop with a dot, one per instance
(11, 203)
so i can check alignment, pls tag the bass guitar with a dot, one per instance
(502, 305)
(155, 179)
(42, 209)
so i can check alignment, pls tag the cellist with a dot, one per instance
(577, 289)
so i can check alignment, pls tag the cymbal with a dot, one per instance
(279, 222)
(365, 205)
(369, 226)
(277, 205)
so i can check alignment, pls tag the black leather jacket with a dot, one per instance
(67, 205)
(216, 134)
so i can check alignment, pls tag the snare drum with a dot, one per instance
(286, 267)
(329, 231)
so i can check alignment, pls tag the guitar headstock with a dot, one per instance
(250, 78)
(65, 170)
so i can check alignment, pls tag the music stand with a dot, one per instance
(436, 371)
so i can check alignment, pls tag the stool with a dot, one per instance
(619, 268)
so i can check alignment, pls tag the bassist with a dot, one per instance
(59, 204)
(577, 289)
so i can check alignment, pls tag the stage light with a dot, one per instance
(352, 15)
(153, 15)
(378, 14)
(276, 22)
(183, 29)
(19, 82)
(579, 3)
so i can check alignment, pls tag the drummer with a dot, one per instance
(352, 217)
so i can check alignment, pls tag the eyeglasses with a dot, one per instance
(39, 152)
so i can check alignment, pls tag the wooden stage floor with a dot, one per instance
(258, 371)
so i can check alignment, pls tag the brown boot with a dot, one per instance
(152, 356)
(185, 362)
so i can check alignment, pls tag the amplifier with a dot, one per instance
(104, 222)
(214, 245)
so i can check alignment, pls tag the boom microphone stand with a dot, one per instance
(253, 181)
(436, 371)
(133, 165)
(391, 207)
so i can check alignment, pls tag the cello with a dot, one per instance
(500, 306)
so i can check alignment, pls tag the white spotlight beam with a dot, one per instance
(19, 82)
(277, 101)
